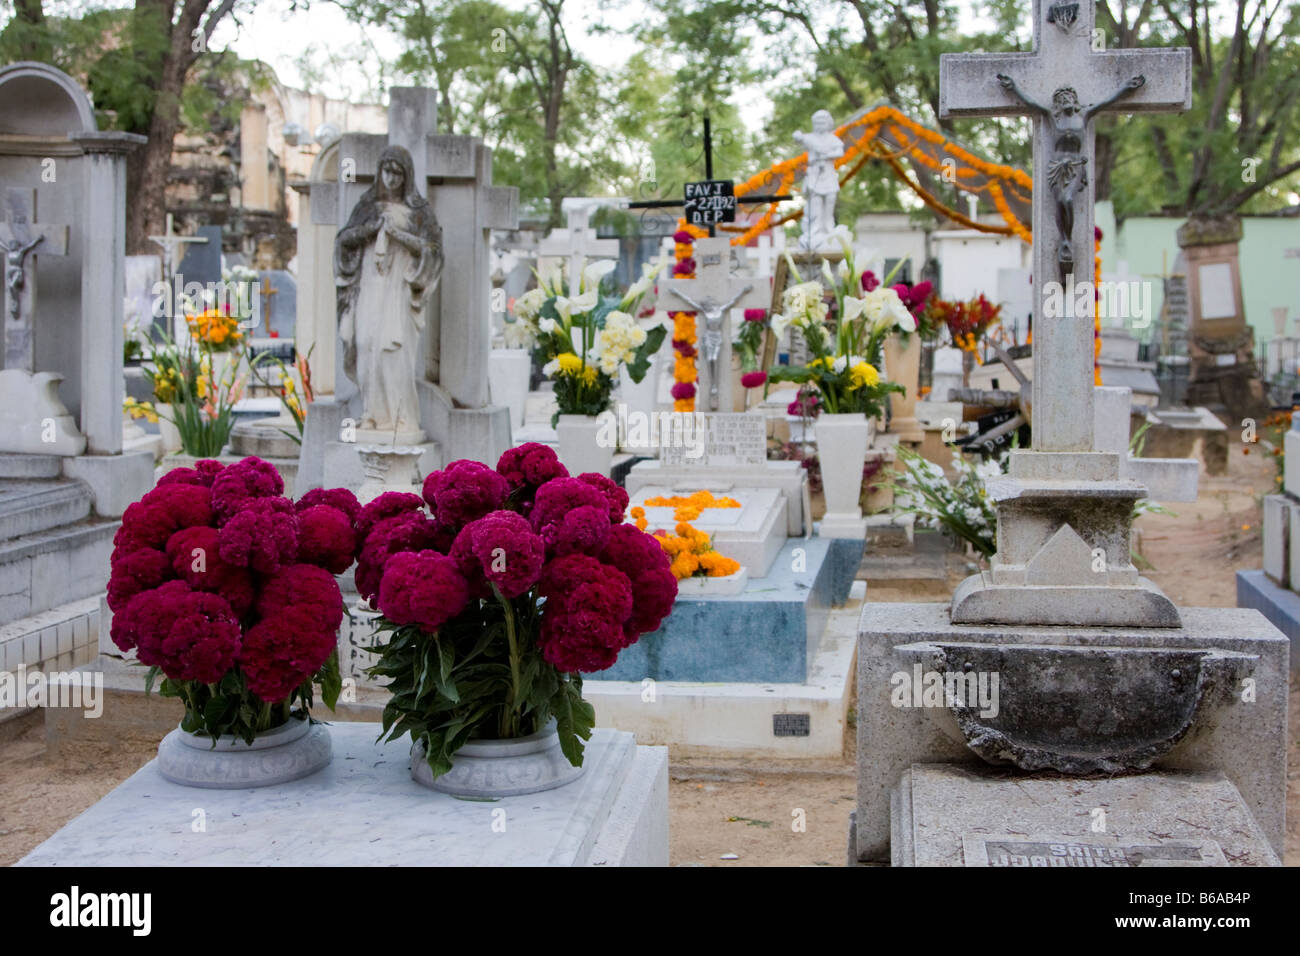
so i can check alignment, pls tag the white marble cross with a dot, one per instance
(771, 246)
(577, 242)
(22, 239)
(712, 295)
(170, 243)
(1068, 78)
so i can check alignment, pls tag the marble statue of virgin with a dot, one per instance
(387, 263)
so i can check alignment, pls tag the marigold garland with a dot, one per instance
(690, 550)
(685, 374)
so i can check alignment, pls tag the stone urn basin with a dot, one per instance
(1078, 710)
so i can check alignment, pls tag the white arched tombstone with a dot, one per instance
(58, 171)
(317, 326)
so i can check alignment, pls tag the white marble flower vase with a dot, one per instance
(842, 442)
(292, 750)
(586, 443)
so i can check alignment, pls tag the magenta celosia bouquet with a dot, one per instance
(227, 589)
(497, 590)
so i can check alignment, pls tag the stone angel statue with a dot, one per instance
(387, 263)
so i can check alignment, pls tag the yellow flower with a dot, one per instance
(569, 363)
(863, 375)
(589, 375)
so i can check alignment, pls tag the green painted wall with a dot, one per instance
(1269, 279)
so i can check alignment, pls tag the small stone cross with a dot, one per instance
(22, 238)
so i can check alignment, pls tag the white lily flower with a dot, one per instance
(585, 302)
(549, 278)
(547, 325)
(593, 273)
(826, 271)
(853, 308)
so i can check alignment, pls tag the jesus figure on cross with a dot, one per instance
(1067, 168)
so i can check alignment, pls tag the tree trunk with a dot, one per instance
(35, 39)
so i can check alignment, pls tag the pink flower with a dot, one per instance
(245, 480)
(388, 505)
(191, 635)
(753, 379)
(422, 588)
(303, 586)
(339, 498)
(869, 281)
(136, 571)
(681, 235)
(500, 548)
(755, 315)
(584, 530)
(282, 651)
(408, 531)
(558, 497)
(203, 472)
(528, 467)
(463, 491)
(325, 537)
(195, 557)
(684, 268)
(149, 522)
(586, 606)
(615, 497)
(646, 565)
(262, 535)
(683, 390)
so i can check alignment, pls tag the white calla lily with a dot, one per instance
(596, 271)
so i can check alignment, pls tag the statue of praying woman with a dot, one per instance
(1067, 166)
(387, 263)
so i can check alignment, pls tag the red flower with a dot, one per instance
(615, 497)
(755, 315)
(681, 235)
(463, 491)
(587, 604)
(245, 480)
(195, 557)
(191, 635)
(339, 498)
(558, 497)
(583, 530)
(500, 548)
(654, 588)
(262, 535)
(203, 472)
(409, 531)
(282, 651)
(869, 281)
(424, 589)
(135, 571)
(529, 466)
(684, 268)
(388, 505)
(753, 379)
(683, 390)
(325, 537)
(303, 586)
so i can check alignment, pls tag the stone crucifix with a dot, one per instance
(578, 243)
(1063, 84)
(171, 243)
(712, 294)
(22, 238)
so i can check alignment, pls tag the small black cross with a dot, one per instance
(708, 174)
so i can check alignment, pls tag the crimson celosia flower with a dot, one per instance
(423, 588)
(561, 495)
(282, 651)
(305, 586)
(195, 558)
(248, 479)
(583, 530)
(753, 379)
(683, 390)
(587, 603)
(500, 548)
(325, 537)
(135, 571)
(654, 587)
(262, 534)
(191, 635)
(339, 498)
(529, 466)
(388, 505)
(463, 491)
(408, 531)
(615, 497)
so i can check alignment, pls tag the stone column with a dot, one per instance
(103, 287)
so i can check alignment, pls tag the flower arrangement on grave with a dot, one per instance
(226, 589)
(967, 322)
(749, 339)
(215, 329)
(690, 549)
(960, 508)
(293, 398)
(199, 401)
(845, 326)
(685, 374)
(586, 335)
(497, 589)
